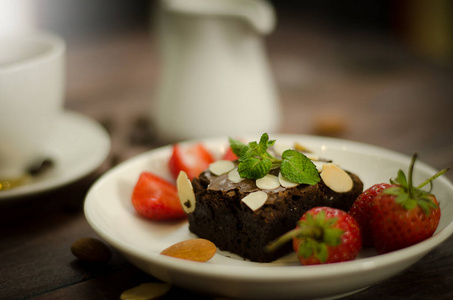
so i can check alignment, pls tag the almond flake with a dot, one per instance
(150, 290)
(285, 182)
(319, 165)
(255, 200)
(268, 182)
(280, 148)
(234, 176)
(336, 178)
(312, 156)
(185, 192)
(301, 148)
(221, 167)
(200, 250)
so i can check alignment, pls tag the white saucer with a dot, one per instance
(80, 146)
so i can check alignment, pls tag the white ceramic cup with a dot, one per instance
(32, 85)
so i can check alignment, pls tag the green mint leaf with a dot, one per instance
(251, 151)
(254, 168)
(298, 168)
(265, 143)
(255, 162)
(237, 147)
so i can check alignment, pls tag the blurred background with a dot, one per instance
(348, 68)
(423, 25)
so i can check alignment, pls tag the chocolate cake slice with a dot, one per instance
(222, 217)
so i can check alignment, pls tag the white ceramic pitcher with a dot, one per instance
(216, 78)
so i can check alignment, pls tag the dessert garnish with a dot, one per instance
(185, 192)
(255, 162)
(323, 235)
(192, 159)
(255, 200)
(156, 198)
(336, 178)
(221, 166)
(397, 215)
(200, 250)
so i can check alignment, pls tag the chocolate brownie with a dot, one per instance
(221, 217)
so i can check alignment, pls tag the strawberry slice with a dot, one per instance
(156, 198)
(191, 159)
(229, 155)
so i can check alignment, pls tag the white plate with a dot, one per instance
(109, 211)
(79, 146)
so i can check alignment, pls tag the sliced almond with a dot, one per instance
(285, 182)
(150, 290)
(255, 200)
(301, 148)
(280, 148)
(312, 156)
(185, 192)
(268, 182)
(234, 176)
(200, 250)
(221, 167)
(336, 178)
(318, 164)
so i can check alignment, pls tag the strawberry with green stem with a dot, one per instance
(403, 215)
(323, 235)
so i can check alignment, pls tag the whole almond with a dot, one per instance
(200, 250)
(91, 249)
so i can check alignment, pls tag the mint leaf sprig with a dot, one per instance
(255, 162)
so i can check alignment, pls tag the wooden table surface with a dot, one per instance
(373, 89)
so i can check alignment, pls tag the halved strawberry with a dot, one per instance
(156, 198)
(229, 155)
(192, 159)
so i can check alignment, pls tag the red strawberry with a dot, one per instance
(362, 208)
(229, 155)
(324, 235)
(156, 198)
(404, 215)
(192, 159)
